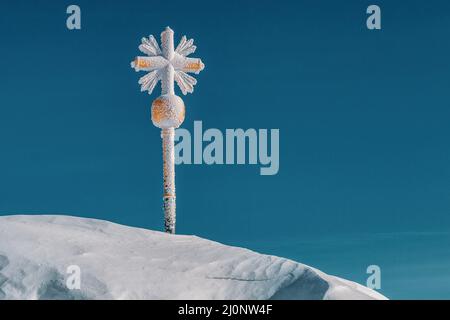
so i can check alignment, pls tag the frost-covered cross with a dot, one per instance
(168, 65)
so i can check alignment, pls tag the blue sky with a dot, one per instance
(363, 116)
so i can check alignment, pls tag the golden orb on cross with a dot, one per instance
(168, 111)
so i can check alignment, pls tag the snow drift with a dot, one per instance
(120, 262)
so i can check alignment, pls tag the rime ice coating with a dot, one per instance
(168, 65)
(169, 197)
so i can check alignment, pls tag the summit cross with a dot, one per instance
(168, 65)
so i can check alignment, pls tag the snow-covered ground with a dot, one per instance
(120, 262)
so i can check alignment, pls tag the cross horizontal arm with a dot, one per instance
(149, 63)
(191, 65)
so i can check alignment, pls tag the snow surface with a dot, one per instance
(120, 262)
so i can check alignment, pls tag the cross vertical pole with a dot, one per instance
(169, 198)
(168, 136)
(167, 79)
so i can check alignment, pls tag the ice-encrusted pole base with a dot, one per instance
(169, 198)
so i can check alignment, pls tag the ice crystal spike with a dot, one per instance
(185, 47)
(150, 46)
(185, 82)
(149, 81)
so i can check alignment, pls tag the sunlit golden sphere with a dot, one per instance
(168, 111)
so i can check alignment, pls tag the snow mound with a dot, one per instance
(120, 262)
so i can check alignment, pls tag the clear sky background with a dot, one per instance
(363, 116)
